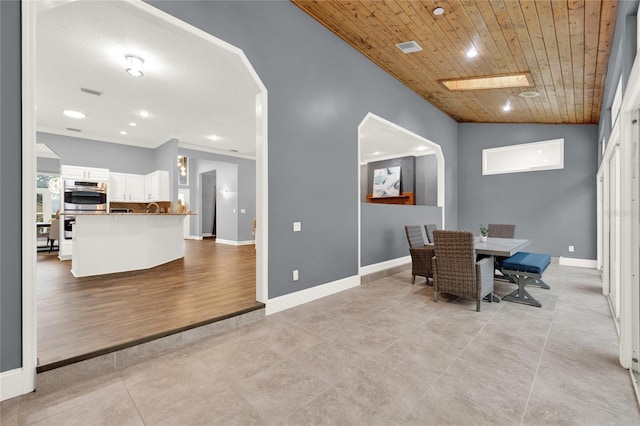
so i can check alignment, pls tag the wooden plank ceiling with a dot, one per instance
(563, 44)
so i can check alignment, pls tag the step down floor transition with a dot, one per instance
(104, 361)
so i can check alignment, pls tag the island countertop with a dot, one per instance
(127, 214)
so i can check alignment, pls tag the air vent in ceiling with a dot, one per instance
(409, 46)
(71, 129)
(90, 91)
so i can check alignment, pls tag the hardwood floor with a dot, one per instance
(83, 317)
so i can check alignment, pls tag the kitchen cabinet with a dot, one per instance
(126, 187)
(86, 173)
(156, 186)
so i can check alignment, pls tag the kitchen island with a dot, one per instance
(119, 242)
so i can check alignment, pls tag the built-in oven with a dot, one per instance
(85, 196)
(68, 226)
(82, 197)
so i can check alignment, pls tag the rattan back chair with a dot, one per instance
(429, 230)
(414, 236)
(501, 230)
(455, 270)
(421, 254)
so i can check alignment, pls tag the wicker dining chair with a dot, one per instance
(501, 230)
(429, 230)
(421, 254)
(455, 270)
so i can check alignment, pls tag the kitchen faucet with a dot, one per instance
(153, 204)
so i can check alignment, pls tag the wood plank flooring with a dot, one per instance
(83, 317)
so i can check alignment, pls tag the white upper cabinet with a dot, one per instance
(86, 173)
(156, 185)
(126, 187)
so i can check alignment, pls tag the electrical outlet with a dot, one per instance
(571, 248)
(295, 275)
(297, 226)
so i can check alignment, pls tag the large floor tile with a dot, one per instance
(280, 390)
(115, 409)
(335, 408)
(166, 394)
(450, 409)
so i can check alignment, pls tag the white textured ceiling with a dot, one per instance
(193, 88)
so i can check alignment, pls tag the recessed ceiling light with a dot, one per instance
(134, 65)
(122, 132)
(144, 114)
(421, 148)
(214, 137)
(376, 153)
(529, 94)
(494, 82)
(472, 53)
(438, 11)
(132, 124)
(73, 114)
(506, 107)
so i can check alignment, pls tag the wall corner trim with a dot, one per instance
(12, 383)
(292, 300)
(581, 263)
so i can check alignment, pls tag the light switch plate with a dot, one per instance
(297, 226)
(295, 275)
(243, 210)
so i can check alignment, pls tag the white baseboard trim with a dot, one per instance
(235, 243)
(387, 264)
(194, 237)
(12, 384)
(581, 263)
(291, 300)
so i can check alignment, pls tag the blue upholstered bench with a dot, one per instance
(525, 268)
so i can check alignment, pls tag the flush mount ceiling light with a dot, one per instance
(529, 94)
(472, 53)
(438, 11)
(490, 82)
(134, 65)
(409, 46)
(73, 114)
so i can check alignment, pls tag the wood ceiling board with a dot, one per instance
(564, 45)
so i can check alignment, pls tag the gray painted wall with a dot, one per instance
(165, 159)
(93, 153)
(383, 236)
(10, 191)
(320, 89)
(48, 165)
(555, 208)
(623, 50)
(427, 180)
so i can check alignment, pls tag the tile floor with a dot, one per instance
(380, 354)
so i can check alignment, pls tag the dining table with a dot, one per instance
(503, 247)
